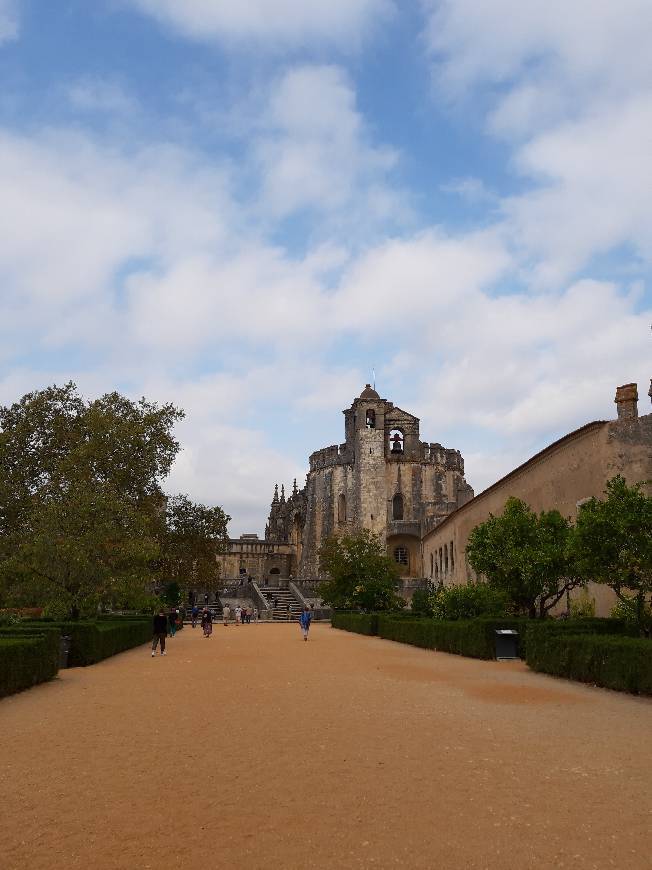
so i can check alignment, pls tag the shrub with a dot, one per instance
(468, 601)
(93, 641)
(475, 638)
(421, 602)
(622, 663)
(583, 606)
(361, 623)
(27, 658)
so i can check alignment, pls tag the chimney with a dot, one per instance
(627, 402)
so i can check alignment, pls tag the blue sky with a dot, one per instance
(243, 208)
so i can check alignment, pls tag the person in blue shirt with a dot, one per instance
(194, 615)
(304, 621)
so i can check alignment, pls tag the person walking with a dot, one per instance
(289, 612)
(193, 615)
(172, 619)
(255, 615)
(207, 622)
(304, 621)
(160, 631)
(238, 614)
(226, 614)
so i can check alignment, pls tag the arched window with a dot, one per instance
(396, 441)
(341, 508)
(452, 556)
(397, 507)
(432, 564)
(371, 419)
(401, 555)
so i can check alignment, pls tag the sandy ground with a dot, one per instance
(253, 749)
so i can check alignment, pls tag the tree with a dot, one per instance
(193, 536)
(612, 544)
(80, 492)
(525, 555)
(361, 574)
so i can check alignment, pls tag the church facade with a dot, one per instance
(382, 477)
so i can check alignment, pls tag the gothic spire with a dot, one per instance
(282, 493)
(275, 499)
(294, 487)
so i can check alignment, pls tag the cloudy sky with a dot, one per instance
(243, 208)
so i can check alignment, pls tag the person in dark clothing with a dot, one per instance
(207, 622)
(194, 615)
(172, 619)
(160, 631)
(206, 598)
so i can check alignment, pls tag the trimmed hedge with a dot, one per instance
(475, 638)
(361, 623)
(93, 641)
(27, 658)
(622, 663)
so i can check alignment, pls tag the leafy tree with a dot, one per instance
(526, 556)
(80, 493)
(361, 574)
(468, 601)
(82, 542)
(612, 544)
(194, 534)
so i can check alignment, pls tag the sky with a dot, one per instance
(245, 208)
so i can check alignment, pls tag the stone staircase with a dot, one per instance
(283, 599)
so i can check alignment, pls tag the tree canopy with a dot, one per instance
(612, 543)
(361, 574)
(80, 492)
(194, 534)
(525, 555)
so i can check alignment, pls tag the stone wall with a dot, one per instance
(561, 476)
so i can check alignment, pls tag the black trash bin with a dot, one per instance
(506, 644)
(64, 650)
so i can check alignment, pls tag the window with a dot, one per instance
(396, 441)
(397, 507)
(452, 556)
(341, 508)
(371, 419)
(432, 562)
(441, 560)
(401, 555)
(445, 560)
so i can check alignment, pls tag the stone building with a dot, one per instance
(561, 476)
(382, 478)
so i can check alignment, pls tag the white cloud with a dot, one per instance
(274, 24)
(580, 50)
(569, 88)
(8, 20)
(314, 151)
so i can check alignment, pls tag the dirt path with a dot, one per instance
(255, 750)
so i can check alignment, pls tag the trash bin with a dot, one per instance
(64, 650)
(506, 644)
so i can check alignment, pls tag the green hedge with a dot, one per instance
(622, 663)
(361, 623)
(93, 641)
(475, 638)
(27, 658)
